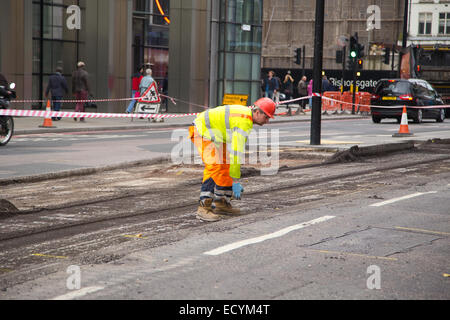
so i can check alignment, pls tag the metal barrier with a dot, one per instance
(331, 105)
(343, 102)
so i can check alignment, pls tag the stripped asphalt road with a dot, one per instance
(383, 234)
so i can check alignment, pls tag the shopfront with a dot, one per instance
(205, 48)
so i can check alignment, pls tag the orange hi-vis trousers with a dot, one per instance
(215, 159)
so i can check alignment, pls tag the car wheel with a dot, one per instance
(376, 119)
(418, 118)
(441, 116)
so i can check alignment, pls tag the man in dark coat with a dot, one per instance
(57, 85)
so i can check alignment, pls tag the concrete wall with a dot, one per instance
(189, 45)
(108, 51)
(16, 45)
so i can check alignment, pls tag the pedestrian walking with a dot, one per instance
(57, 86)
(288, 83)
(302, 89)
(146, 81)
(135, 81)
(270, 85)
(80, 87)
(326, 85)
(220, 135)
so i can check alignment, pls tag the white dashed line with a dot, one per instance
(78, 293)
(379, 204)
(280, 233)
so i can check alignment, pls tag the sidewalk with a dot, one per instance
(30, 125)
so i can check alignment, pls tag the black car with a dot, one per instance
(405, 92)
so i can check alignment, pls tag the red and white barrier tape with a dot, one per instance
(75, 101)
(389, 107)
(64, 114)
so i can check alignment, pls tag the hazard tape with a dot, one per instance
(75, 101)
(63, 114)
(443, 106)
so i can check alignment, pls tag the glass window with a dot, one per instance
(241, 67)
(444, 23)
(240, 36)
(54, 45)
(151, 35)
(425, 21)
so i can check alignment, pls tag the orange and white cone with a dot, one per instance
(404, 130)
(48, 120)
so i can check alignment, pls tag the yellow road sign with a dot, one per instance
(239, 99)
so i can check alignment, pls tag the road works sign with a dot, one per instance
(151, 95)
(233, 99)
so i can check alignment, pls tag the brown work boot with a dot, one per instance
(205, 211)
(224, 207)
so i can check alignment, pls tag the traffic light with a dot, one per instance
(387, 55)
(360, 64)
(353, 47)
(298, 55)
(359, 50)
(418, 69)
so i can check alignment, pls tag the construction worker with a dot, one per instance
(220, 135)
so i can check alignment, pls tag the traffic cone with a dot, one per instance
(48, 120)
(404, 130)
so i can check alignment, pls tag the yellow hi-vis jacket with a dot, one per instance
(230, 125)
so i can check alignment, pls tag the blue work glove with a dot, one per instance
(237, 190)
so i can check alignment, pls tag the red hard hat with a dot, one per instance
(266, 105)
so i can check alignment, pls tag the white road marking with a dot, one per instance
(78, 293)
(379, 204)
(279, 233)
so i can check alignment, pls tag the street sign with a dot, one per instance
(151, 95)
(233, 99)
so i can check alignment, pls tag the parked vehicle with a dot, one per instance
(6, 122)
(406, 92)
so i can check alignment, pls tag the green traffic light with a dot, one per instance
(353, 54)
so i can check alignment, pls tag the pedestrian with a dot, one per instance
(57, 86)
(146, 81)
(80, 87)
(310, 89)
(288, 85)
(220, 135)
(326, 85)
(270, 85)
(288, 88)
(276, 93)
(302, 89)
(135, 81)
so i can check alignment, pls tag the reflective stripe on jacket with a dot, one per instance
(230, 125)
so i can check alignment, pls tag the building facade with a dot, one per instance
(206, 48)
(290, 24)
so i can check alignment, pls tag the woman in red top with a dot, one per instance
(136, 80)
